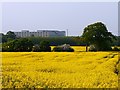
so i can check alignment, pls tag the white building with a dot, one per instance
(40, 33)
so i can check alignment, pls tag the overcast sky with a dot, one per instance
(73, 16)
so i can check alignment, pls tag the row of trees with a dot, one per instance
(25, 45)
(22, 44)
(96, 35)
(54, 41)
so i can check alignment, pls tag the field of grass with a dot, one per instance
(77, 69)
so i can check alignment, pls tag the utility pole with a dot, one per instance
(67, 32)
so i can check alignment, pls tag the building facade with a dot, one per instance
(40, 33)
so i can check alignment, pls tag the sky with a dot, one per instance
(74, 16)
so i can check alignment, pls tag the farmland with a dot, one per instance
(77, 69)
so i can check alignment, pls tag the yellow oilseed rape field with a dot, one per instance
(77, 69)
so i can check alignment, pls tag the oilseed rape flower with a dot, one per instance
(60, 69)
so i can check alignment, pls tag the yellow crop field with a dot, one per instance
(77, 69)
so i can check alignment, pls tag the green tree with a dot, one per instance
(98, 35)
(45, 46)
(3, 38)
(23, 44)
(10, 35)
(18, 45)
(8, 46)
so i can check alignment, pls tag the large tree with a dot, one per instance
(11, 35)
(98, 35)
(18, 45)
(23, 44)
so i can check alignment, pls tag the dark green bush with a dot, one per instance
(18, 45)
(45, 46)
(8, 46)
(58, 49)
(115, 48)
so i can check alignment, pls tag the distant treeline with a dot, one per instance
(73, 41)
(95, 35)
(53, 41)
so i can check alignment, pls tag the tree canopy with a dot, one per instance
(19, 45)
(45, 46)
(11, 35)
(98, 35)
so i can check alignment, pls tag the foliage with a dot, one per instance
(63, 48)
(23, 44)
(98, 35)
(116, 42)
(8, 37)
(45, 46)
(115, 48)
(18, 45)
(11, 35)
(55, 41)
(59, 70)
(8, 46)
(3, 38)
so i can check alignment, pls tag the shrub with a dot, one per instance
(115, 48)
(63, 48)
(23, 45)
(70, 50)
(18, 45)
(92, 48)
(8, 46)
(57, 48)
(45, 46)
